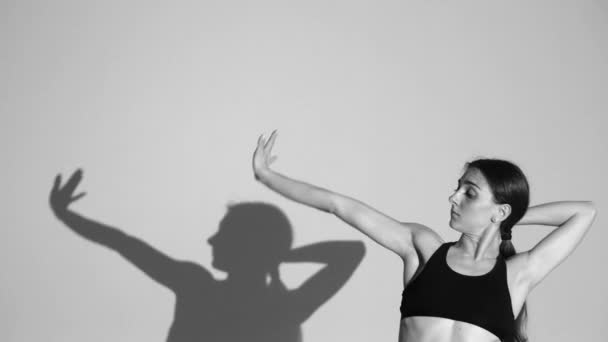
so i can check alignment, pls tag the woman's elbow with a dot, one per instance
(335, 204)
(590, 208)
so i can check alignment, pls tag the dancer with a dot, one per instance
(473, 289)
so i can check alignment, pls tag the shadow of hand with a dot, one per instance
(61, 197)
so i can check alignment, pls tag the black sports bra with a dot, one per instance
(439, 291)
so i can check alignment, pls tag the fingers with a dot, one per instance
(62, 197)
(57, 183)
(263, 141)
(77, 197)
(271, 140)
(72, 183)
(263, 150)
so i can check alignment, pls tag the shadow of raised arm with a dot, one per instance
(152, 262)
(341, 259)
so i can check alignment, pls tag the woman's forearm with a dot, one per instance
(298, 191)
(556, 213)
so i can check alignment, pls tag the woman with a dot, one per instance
(473, 289)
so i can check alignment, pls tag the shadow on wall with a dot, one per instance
(252, 304)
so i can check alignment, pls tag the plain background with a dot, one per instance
(162, 103)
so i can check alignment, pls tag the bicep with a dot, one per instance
(400, 237)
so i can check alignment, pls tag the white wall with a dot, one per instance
(161, 103)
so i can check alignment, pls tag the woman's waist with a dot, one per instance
(439, 329)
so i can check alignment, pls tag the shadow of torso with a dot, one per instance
(211, 310)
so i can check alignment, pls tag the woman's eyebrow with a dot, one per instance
(466, 181)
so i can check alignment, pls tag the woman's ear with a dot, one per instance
(505, 211)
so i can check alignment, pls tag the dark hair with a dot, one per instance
(509, 186)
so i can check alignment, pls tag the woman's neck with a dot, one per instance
(483, 246)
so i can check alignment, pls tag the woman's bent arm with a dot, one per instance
(572, 218)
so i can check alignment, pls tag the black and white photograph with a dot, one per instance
(304, 171)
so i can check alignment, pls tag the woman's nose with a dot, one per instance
(452, 198)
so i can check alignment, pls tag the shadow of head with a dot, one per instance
(252, 237)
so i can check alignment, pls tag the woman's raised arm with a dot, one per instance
(572, 218)
(405, 239)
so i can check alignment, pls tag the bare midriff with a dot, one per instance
(436, 329)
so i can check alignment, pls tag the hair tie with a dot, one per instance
(506, 235)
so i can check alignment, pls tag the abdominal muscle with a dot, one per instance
(436, 329)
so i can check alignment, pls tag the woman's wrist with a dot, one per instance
(262, 174)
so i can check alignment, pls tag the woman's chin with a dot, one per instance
(454, 225)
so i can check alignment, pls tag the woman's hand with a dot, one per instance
(262, 155)
(61, 197)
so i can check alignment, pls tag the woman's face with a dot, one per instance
(472, 203)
